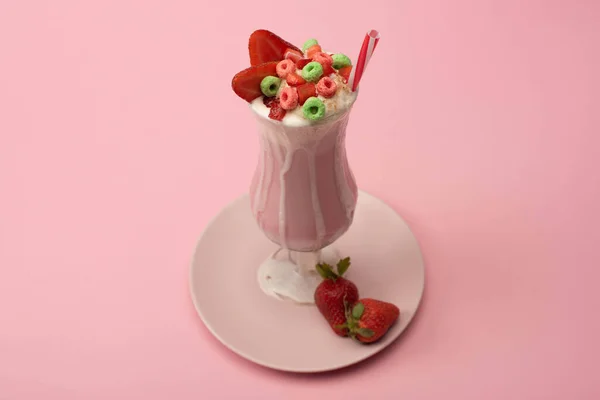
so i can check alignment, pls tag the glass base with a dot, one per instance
(291, 275)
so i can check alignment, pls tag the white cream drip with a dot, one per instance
(286, 141)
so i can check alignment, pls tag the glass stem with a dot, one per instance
(306, 261)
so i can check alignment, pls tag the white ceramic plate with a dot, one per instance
(386, 264)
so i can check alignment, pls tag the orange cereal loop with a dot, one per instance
(311, 51)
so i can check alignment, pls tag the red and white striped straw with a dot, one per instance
(366, 51)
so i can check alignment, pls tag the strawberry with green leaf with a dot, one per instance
(369, 319)
(334, 294)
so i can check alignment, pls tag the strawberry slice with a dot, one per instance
(276, 112)
(293, 79)
(305, 91)
(268, 101)
(265, 46)
(302, 62)
(345, 72)
(293, 55)
(327, 70)
(246, 83)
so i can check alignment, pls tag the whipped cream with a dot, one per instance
(335, 106)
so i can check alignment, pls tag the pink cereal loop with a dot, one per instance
(323, 58)
(284, 67)
(326, 87)
(288, 98)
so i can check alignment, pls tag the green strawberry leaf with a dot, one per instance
(358, 310)
(343, 265)
(321, 271)
(325, 271)
(365, 332)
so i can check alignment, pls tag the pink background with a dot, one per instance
(121, 138)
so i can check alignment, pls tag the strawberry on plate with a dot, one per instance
(246, 83)
(370, 319)
(334, 294)
(265, 46)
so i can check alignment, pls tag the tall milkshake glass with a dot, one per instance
(303, 195)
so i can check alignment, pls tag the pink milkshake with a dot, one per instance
(303, 193)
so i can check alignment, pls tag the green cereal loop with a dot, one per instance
(313, 109)
(270, 85)
(312, 71)
(340, 61)
(309, 43)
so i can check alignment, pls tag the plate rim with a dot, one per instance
(335, 367)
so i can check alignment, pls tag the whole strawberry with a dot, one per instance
(370, 319)
(335, 294)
